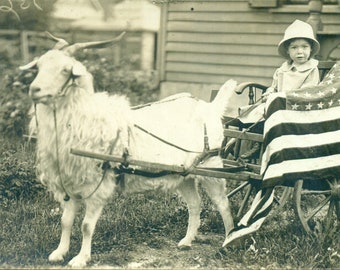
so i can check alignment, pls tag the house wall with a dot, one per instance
(204, 43)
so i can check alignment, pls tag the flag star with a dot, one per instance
(331, 76)
(329, 81)
(320, 105)
(333, 90)
(295, 94)
(308, 106)
(321, 94)
(330, 103)
(295, 106)
(307, 95)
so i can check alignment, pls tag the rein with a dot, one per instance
(124, 167)
(164, 141)
(78, 197)
(67, 197)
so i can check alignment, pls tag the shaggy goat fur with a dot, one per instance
(73, 116)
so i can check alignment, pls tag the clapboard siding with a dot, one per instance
(208, 42)
(222, 38)
(219, 16)
(216, 69)
(246, 51)
(224, 27)
(220, 59)
(208, 6)
(182, 77)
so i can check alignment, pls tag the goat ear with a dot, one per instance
(78, 69)
(29, 65)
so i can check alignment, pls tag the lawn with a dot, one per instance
(142, 230)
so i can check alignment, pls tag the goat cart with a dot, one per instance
(316, 199)
(315, 205)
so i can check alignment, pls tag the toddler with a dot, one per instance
(300, 70)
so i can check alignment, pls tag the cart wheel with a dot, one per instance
(282, 195)
(243, 196)
(318, 210)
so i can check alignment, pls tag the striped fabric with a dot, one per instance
(301, 141)
(302, 134)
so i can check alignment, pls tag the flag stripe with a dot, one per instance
(312, 168)
(254, 218)
(300, 117)
(312, 128)
(302, 142)
(302, 152)
(299, 147)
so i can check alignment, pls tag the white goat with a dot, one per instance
(70, 115)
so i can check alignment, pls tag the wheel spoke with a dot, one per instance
(329, 214)
(316, 210)
(240, 187)
(245, 201)
(337, 209)
(318, 192)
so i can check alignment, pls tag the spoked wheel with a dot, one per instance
(282, 195)
(318, 210)
(243, 196)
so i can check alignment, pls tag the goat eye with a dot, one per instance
(66, 70)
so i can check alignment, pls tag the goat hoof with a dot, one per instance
(56, 256)
(78, 262)
(184, 247)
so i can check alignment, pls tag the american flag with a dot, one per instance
(301, 141)
(302, 133)
(325, 95)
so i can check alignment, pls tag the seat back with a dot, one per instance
(324, 67)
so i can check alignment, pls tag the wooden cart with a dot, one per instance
(320, 202)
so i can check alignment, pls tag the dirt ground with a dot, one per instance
(205, 253)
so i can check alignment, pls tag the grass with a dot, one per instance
(30, 229)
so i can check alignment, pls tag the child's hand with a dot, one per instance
(265, 95)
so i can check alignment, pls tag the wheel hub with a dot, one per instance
(335, 192)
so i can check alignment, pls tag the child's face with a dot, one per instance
(299, 51)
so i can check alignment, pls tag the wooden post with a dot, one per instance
(147, 50)
(24, 46)
(314, 19)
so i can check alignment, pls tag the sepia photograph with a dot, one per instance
(170, 134)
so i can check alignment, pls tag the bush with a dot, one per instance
(17, 171)
(15, 103)
(139, 86)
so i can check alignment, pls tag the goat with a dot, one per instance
(69, 114)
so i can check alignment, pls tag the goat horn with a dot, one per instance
(61, 43)
(93, 44)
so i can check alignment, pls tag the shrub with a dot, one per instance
(139, 86)
(14, 103)
(17, 171)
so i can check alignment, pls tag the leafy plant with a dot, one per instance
(14, 103)
(140, 86)
(17, 171)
